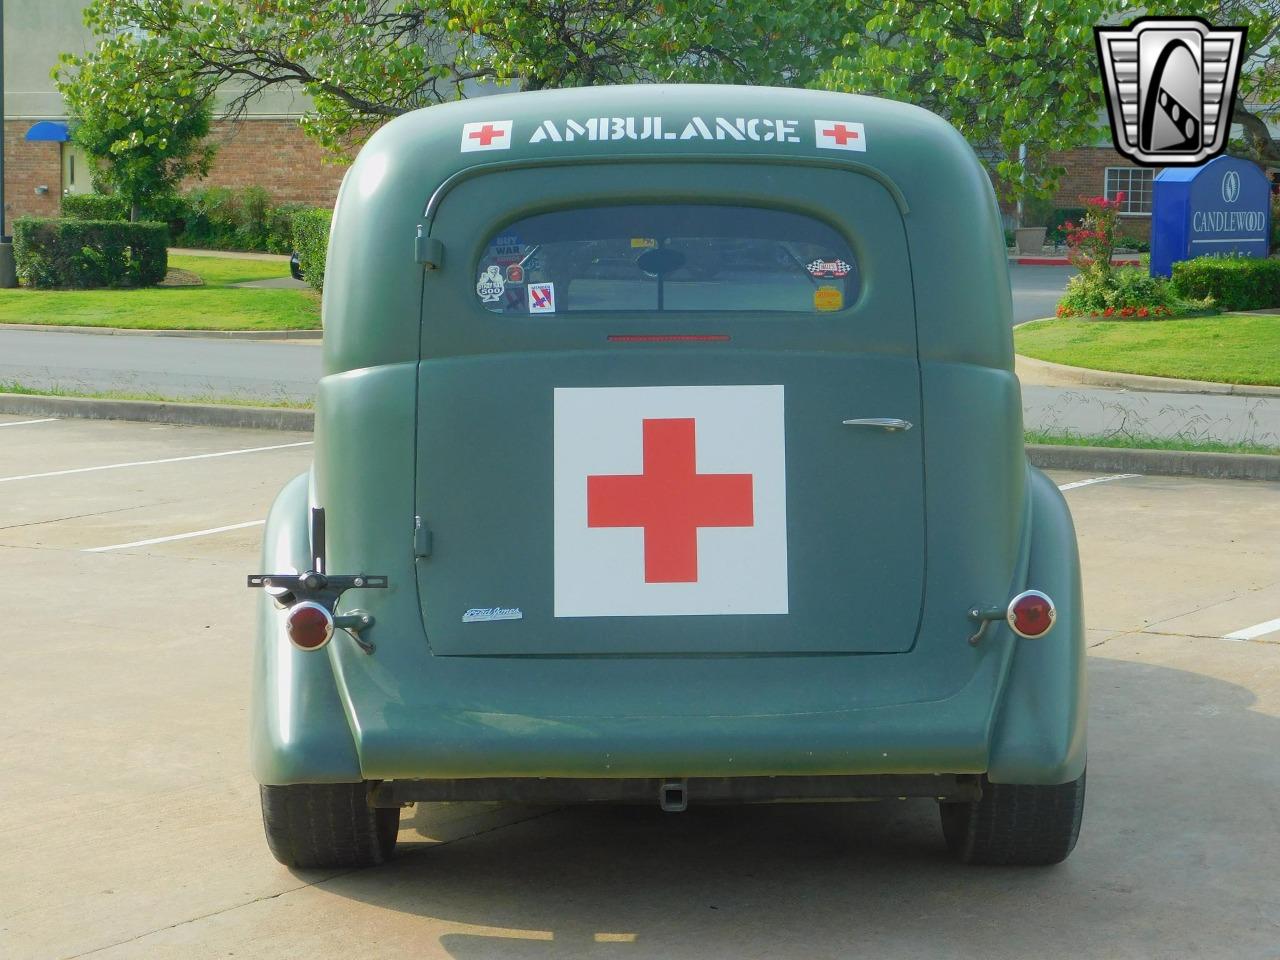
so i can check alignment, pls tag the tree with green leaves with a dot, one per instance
(1258, 98)
(1015, 74)
(362, 62)
(145, 144)
(1004, 72)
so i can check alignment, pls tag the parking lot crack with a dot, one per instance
(79, 516)
(303, 886)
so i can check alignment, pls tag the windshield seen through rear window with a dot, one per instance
(670, 257)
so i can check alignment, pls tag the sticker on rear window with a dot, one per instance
(542, 298)
(490, 285)
(828, 268)
(828, 298)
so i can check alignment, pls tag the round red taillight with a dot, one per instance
(1031, 614)
(310, 625)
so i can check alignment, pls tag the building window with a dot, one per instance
(1135, 184)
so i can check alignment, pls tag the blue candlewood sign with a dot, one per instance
(1221, 207)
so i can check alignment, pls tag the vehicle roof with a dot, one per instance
(373, 286)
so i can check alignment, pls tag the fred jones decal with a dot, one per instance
(827, 134)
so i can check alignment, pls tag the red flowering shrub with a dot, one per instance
(1100, 290)
(1091, 243)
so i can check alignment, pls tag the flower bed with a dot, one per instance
(1101, 290)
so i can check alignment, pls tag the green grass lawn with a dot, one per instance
(224, 271)
(1149, 443)
(21, 389)
(215, 306)
(1232, 348)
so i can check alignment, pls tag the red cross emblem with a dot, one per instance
(840, 132)
(840, 135)
(488, 133)
(670, 500)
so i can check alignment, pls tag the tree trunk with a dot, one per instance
(1259, 137)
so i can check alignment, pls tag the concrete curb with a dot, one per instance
(151, 411)
(1165, 463)
(1174, 463)
(1136, 381)
(200, 334)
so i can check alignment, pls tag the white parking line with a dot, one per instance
(19, 423)
(147, 463)
(177, 536)
(1257, 630)
(1085, 483)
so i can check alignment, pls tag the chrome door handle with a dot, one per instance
(889, 424)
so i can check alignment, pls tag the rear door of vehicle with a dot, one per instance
(606, 481)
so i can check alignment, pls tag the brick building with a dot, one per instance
(273, 153)
(266, 148)
(1101, 171)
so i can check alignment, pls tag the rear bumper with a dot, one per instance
(675, 794)
(749, 717)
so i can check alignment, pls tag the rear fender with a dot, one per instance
(1040, 729)
(298, 730)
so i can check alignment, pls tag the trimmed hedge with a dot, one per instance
(79, 254)
(220, 218)
(311, 240)
(1234, 283)
(94, 206)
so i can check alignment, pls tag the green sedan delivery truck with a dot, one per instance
(668, 451)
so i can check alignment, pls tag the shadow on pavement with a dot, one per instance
(1176, 859)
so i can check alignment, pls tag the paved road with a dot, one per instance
(129, 827)
(176, 367)
(1036, 290)
(167, 366)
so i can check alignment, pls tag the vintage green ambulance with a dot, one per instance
(668, 451)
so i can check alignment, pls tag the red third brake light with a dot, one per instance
(1031, 614)
(310, 625)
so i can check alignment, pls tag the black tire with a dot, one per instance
(1016, 824)
(325, 825)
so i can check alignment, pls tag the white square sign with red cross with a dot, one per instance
(487, 135)
(670, 501)
(840, 135)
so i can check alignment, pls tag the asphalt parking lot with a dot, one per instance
(129, 823)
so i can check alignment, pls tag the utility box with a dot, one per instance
(1219, 208)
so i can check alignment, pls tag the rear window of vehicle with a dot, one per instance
(668, 257)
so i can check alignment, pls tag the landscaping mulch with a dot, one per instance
(177, 277)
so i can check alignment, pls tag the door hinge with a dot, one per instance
(421, 539)
(428, 251)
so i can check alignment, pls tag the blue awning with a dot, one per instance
(49, 130)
